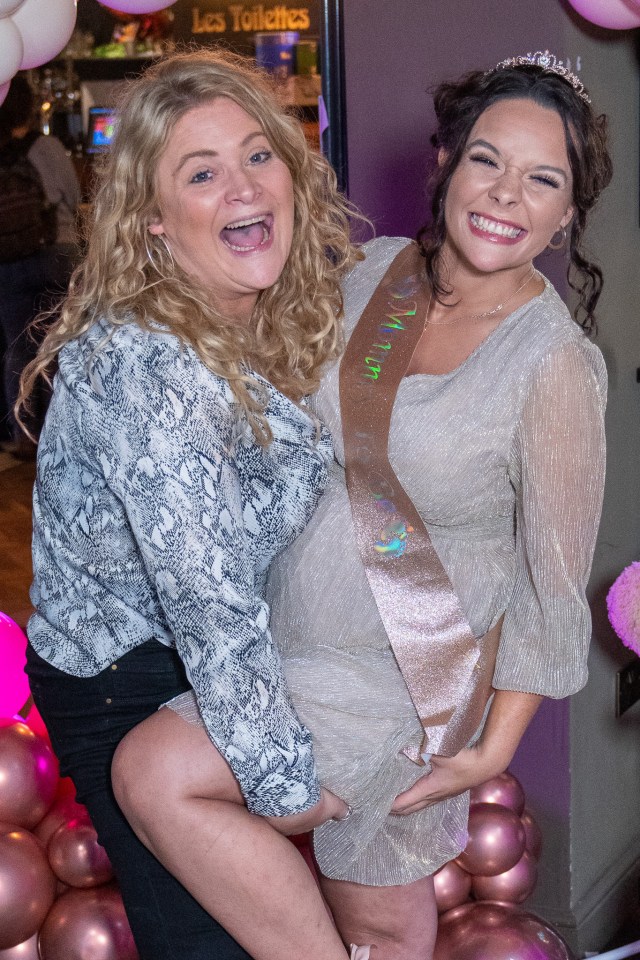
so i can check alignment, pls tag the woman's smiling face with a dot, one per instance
(511, 190)
(226, 206)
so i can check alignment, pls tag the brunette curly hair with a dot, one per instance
(459, 104)
(127, 274)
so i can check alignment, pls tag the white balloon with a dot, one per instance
(7, 7)
(11, 49)
(46, 27)
(137, 6)
(4, 90)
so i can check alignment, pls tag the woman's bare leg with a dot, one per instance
(400, 923)
(184, 803)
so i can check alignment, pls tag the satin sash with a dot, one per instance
(447, 670)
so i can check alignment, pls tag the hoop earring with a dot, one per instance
(559, 244)
(150, 257)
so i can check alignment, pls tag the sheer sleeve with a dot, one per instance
(557, 469)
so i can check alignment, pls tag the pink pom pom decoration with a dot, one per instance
(623, 605)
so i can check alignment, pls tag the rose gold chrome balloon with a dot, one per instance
(452, 886)
(87, 925)
(496, 840)
(532, 834)
(513, 885)
(76, 856)
(503, 789)
(27, 885)
(492, 931)
(63, 810)
(28, 775)
(28, 950)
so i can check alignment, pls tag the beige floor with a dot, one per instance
(16, 482)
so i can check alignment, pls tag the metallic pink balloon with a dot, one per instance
(28, 950)
(14, 686)
(28, 774)
(27, 885)
(137, 6)
(496, 840)
(76, 857)
(452, 886)
(492, 931)
(513, 886)
(503, 789)
(613, 14)
(63, 810)
(85, 924)
(532, 834)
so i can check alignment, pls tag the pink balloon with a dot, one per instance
(87, 923)
(35, 722)
(137, 6)
(28, 775)
(503, 789)
(76, 856)
(452, 886)
(11, 51)
(27, 885)
(46, 27)
(492, 931)
(513, 885)
(614, 14)
(532, 834)
(14, 685)
(7, 7)
(496, 840)
(28, 950)
(63, 810)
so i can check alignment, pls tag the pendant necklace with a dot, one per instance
(486, 313)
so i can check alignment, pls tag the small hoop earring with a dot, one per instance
(559, 244)
(157, 266)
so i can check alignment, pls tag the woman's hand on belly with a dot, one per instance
(509, 715)
(329, 807)
(449, 777)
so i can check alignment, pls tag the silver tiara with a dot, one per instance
(550, 63)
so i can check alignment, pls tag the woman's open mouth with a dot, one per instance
(249, 235)
(495, 230)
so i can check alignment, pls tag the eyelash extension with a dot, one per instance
(548, 180)
(489, 161)
(482, 158)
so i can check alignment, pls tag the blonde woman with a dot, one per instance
(438, 592)
(178, 457)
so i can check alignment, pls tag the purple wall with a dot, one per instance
(394, 53)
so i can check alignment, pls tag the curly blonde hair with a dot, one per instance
(127, 274)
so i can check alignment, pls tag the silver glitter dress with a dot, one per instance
(504, 459)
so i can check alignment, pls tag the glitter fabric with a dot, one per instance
(451, 687)
(504, 460)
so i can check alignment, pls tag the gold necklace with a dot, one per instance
(487, 313)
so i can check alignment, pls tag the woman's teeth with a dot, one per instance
(491, 226)
(254, 232)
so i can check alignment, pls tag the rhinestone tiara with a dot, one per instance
(550, 63)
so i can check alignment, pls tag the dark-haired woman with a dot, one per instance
(418, 680)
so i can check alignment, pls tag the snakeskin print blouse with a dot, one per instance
(156, 514)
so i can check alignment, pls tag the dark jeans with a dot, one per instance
(86, 718)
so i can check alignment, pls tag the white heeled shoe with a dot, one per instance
(360, 953)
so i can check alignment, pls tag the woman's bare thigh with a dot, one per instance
(398, 922)
(166, 758)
